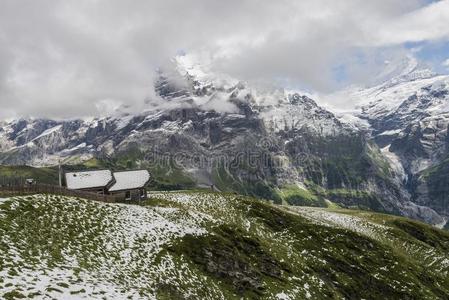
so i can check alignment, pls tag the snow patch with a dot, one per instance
(47, 132)
(394, 161)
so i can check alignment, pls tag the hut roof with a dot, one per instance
(88, 179)
(129, 180)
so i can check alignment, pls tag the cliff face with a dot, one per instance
(410, 121)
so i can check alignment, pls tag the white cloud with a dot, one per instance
(69, 58)
(426, 24)
(446, 63)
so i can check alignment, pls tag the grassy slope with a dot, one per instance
(43, 175)
(170, 178)
(295, 195)
(227, 182)
(214, 246)
(316, 196)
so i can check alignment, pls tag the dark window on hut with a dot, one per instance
(128, 195)
(142, 194)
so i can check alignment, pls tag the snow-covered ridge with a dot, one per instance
(187, 92)
(47, 132)
(380, 101)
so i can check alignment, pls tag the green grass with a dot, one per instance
(39, 231)
(432, 237)
(170, 177)
(14, 295)
(250, 249)
(42, 175)
(355, 199)
(295, 195)
(240, 263)
(338, 262)
(347, 264)
(227, 182)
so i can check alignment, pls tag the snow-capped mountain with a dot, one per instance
(408, 118)
(210, 108)
(418, 109)
(208, 129)
(405, 70)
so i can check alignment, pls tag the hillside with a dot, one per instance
(197, 245)
(15, 174)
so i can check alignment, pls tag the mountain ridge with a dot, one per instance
(240, 139)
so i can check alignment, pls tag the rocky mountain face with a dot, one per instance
(408, 118)
(210, 130)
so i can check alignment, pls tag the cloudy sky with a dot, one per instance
(66, 59)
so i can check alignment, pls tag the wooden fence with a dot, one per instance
(21, 190)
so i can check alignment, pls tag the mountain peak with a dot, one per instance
(407, 69)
